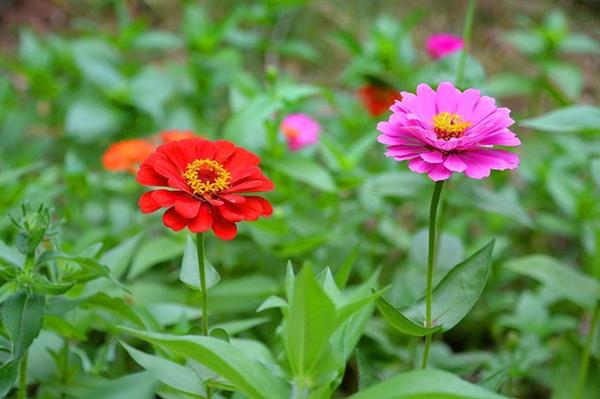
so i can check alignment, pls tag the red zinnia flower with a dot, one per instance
(377, 99)
(205, 182)
(126, 155)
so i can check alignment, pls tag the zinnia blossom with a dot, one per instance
(443, 44)
(126, 155)
(377, 99)
(446, 131)
(204, 185)
(300, 130)
(167, 136)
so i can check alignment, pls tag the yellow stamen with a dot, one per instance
(206, 176)
(447, 125)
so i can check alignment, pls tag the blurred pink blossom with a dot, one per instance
(300, 130)
(440, 45)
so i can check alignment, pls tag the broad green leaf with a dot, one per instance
(167, 314)
(237, 326)
(42, 286)
(190, 273)
(11, 255)
(150, 90)
(90, 120)
(576, 118)
(397, 320)
(306, 171)
(246, 127)
(7, 290)
(425, 384)
(272, 302)
(595, 166)
(458, 291)
(22, 315)
(116, 305)
(310, 323)
(118, 258)
(343, 273)
(220, 333)
(139, 386)
(170, 373)
(248, 375)
(153, 252)
(562, 279)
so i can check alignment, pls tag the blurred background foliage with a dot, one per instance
(79, 75)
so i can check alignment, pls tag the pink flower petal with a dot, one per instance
(439, 172)
(432, 157)
(417, 165)
(455, 163)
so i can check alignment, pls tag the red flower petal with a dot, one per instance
(187, 207)
(203, 221)
(147, 203)
(223, 229)
(173, 220)
(147, 176)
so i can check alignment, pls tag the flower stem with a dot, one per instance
(431, 250)
(467, 30)
(585, 357)
(23, 377)
(202, 269)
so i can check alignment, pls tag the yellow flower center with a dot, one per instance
(447, 125)
(206, 176)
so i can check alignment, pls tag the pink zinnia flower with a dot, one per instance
(448, 131)
(300, 130)
(442, 44)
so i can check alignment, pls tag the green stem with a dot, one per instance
(23, 377)
(467, 30)
(585, 357)
(202, 269)
(431, 250)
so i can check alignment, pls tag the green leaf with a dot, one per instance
(10, 255)
(42, 286)
(22, 315)
(153, 252)
(219, 333)
(595, 166)
(310, 323)
(7, 290)
(139, 386)
(343, 273)
(425, 384)
(116, 305)
(190, 273)
(118, 258)
(170, 373)
(458, 291)
(306, 171)
(8, 375)
(248, 375)
(246, 127)
(573, 119)
(567, 282)
(89, 120)
(397, 320)
(272, 302)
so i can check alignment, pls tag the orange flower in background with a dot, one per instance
(126, 155)
(377, 99)
(167, 136)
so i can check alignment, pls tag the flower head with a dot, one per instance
(446, 131)
(376, 99)
(126, 155)
(442, 44)
(167, 136)
(205, 185)
(300, 130)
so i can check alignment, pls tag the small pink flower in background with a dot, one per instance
(440, 45)
(448, 131)
(300, 130)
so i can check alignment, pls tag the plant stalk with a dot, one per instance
(585, 357)
(467, 31)
(23, 376)
(202, 270)
(431, 251)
